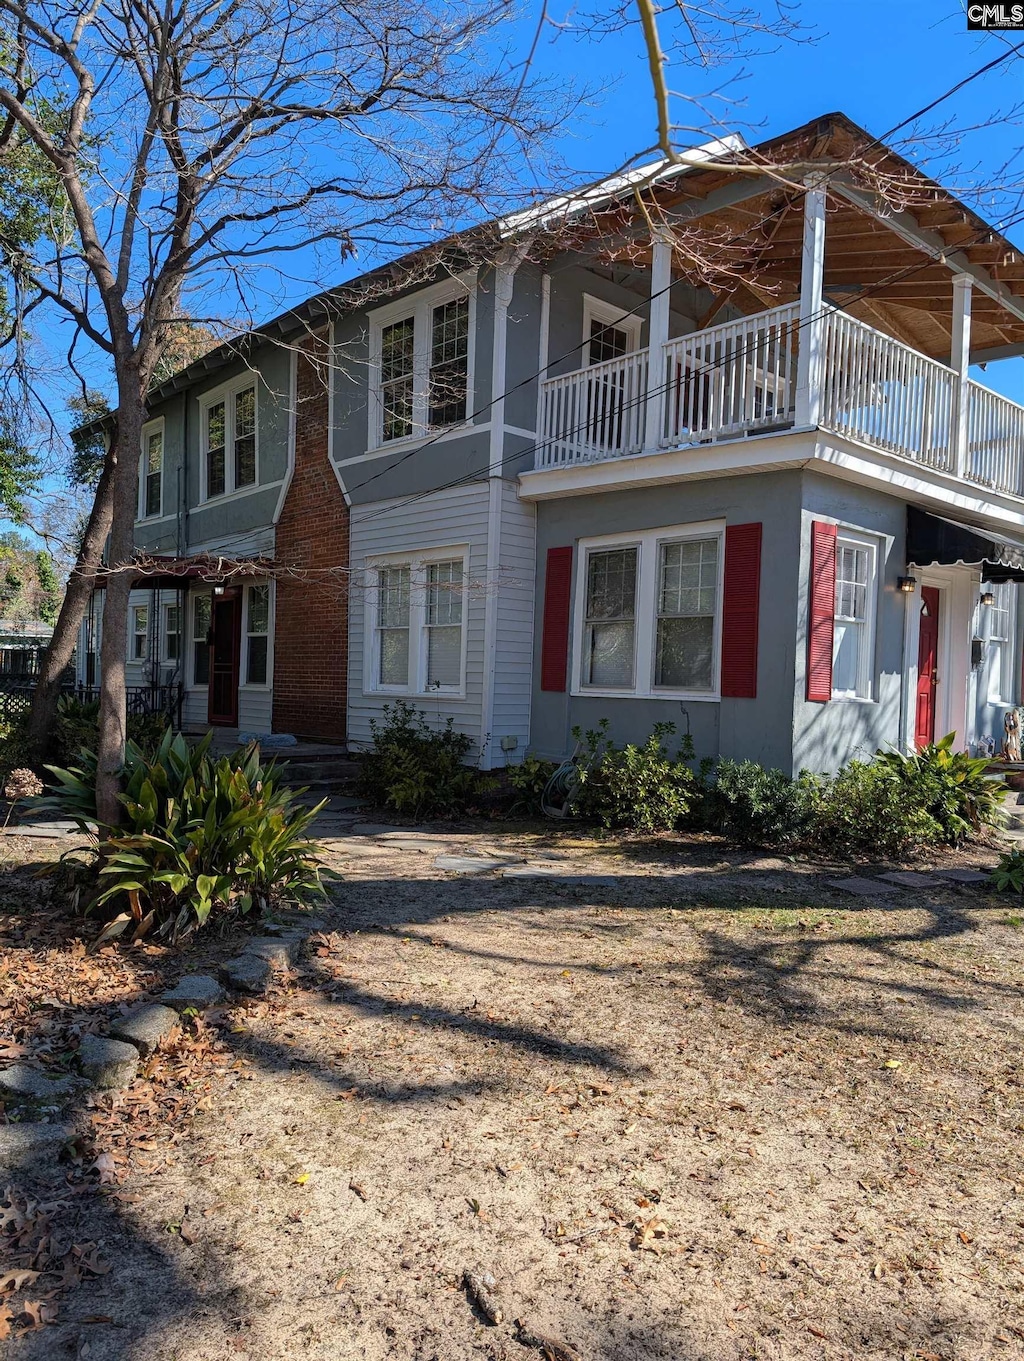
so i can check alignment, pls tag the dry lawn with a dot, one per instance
(711, 1110)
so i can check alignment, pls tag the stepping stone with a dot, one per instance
(108, 1063)
(909, 879)
(36, 1085)
(248, 973)
(863, 888)
(277, 951)
(194, 990)
(376, 829)
(25, 1147)
(965, 876)
(41, 829)
(468, 864)
(146, 1026)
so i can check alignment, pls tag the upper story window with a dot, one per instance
(649, 613)
(608, 331)
(853, 636)
(422, 356)
(999, 625)
(228, 425)
(151, 479)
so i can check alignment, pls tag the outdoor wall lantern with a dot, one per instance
(988, 597)
(218, 590)
(907, 584)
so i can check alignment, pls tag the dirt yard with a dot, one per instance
(680, 1101)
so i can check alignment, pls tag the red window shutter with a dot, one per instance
(554, 651)
(822, 607)
(740, 606)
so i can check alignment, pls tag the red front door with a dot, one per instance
(225, 644)
(927, 662)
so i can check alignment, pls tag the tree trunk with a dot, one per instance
(76, 599)
(125, 498)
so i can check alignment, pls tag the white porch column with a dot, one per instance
(812, 275)
(661, 306)
(960, 360)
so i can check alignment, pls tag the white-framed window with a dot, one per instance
(228, 433)
(421, 363)
(202, 623)
(1000, 630)
(416, 608)
(608, 331)
(257, 634)
(853, 637)
(648, 613)
(172, 633)
(138, 638)
(151, 471)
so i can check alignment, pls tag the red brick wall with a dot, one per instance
(311, 622)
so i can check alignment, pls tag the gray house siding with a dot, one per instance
(513, 662)
(761, 728)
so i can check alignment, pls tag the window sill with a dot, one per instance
(414, 694)
(422, 437)
(236, 494)
(853, 699)
(691, 696)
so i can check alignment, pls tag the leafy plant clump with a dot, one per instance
(757, 805)
(198, 835)
(954, 789)
(527, 782)
(1008, 875)
(416, 770)
(639, 788)
(78, 725)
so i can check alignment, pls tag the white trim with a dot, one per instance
(293, 397)
(190, 663)
(165, 658)
(958, 587)
(648, 543)
(417, 562)
(543, 343)
(330, 416)
(141, 518)
(256, 687)
(607, 314)
(419, 307)
(225, 393)
(134, 632)
(867, 680)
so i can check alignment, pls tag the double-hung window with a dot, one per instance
(648, 613)
(422, 364)
(172, 633)
(138, 642)
(152, 472)
(999, 633)
(417, 609)
(202, 622)
(257, 633)
(229, 439)
(853, 636)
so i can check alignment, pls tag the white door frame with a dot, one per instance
(958, 587)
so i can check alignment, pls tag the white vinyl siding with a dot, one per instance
(399, 531)
(513, 662)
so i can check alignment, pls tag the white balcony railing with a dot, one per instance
(882, 393)
(732, 379)
(594, 413)
(740, 378)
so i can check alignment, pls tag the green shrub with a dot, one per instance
(866, 807)
(416, 770)
(528, 781)
(77, 729)
(643, 789)
(953, 788)
(197, 835)
(755, 805)
(14, 747)
(1008, 875)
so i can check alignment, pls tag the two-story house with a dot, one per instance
(699, 444)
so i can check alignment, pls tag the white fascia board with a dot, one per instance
(564, 206)
(815, 450)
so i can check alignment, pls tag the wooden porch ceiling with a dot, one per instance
(745, 245)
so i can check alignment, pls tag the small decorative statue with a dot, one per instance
(1011, 727)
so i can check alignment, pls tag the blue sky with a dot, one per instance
(873, 60)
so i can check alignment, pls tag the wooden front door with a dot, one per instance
(225, 647)
(927, 664)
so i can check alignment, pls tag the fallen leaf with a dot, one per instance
(302, 1178)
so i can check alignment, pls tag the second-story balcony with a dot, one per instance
(741, 379)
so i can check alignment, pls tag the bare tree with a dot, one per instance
(196, 140)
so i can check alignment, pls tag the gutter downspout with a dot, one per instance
(506, 266)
